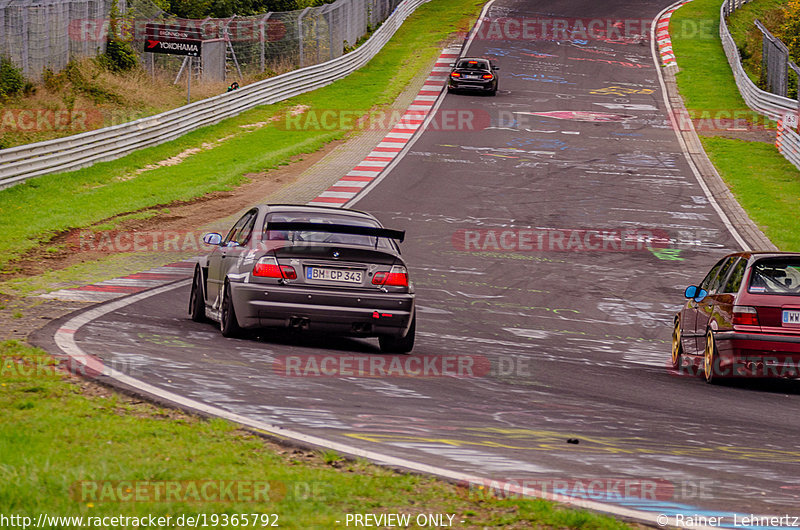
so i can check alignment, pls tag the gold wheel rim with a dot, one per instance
(708, 357)
(676, 342)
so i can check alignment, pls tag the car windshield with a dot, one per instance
(775, 276)
(472, 64)
(322, 236)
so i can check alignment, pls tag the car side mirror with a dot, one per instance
(495, 67)
(212, 239)
(695, 292)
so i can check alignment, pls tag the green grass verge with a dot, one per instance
(66, 453)
(41, 207)
(764, 183)
(705, 80)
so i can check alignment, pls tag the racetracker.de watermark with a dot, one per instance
(42, 120)
(753, 366)
(610, 30)
(140, 241)
(408, 121)
(595, 488)
(44, 366)
(195, 491)
(556, 240)
(710, 120)
(425, 366)
(238, 30)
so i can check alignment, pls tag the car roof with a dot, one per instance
(306, 208)
(481, 59)
(766, 254)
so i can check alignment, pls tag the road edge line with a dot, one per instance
(64, 338)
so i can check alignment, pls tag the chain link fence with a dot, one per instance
(39, 34)
(36, 34)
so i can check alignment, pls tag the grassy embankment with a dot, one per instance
(764, 183)
(71, 449)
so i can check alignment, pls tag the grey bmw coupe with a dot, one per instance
(307, 268)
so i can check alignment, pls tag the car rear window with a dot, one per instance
(775, 276)
(322, 236)
(472, 65)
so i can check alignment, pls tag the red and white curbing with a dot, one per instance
(395, 141)
(119, 287)
(662, 36)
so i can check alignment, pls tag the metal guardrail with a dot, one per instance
(776, 107)
(772, 105)
(788, 143)
(72, 152)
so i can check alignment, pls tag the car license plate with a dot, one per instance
(791, 318)
(472, 77)
(333, 275)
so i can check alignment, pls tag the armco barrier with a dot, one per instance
(72, 152)
(772, 105)
(788, 143)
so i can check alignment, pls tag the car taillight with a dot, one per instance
(745, 316)
(487, 76)
(267, 267)
(455, 74)
(397, 277)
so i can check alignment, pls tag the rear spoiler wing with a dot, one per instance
(399, 235)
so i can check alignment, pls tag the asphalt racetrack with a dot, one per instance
(544, 322)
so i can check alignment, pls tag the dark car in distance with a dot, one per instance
(743, 319)
(473, 73)
(307, 268)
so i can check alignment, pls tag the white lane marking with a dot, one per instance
(72, 295)
(336, 194)
(360, 173)
(627, 106)
(352, 183)
(129, 282)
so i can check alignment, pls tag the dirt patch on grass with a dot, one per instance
(64, 250)
(765, 135)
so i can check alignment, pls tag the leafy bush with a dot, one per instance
(790, 30)
(119, 56)
(227, 8)
(12, 82)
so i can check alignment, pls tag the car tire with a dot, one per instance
(228, 324)
(677, 345)
(197, 304)
(399, 345)
(710, 359)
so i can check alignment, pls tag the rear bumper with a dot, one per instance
(471, 85)
(758, 354)
(336, 311)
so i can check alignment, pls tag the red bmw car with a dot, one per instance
(743, 319)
